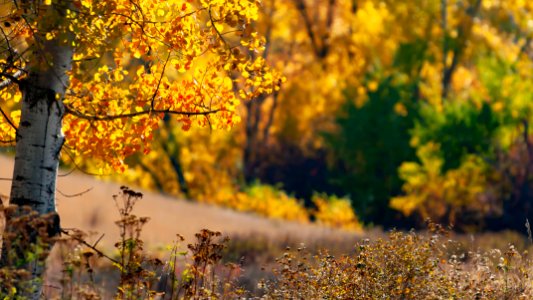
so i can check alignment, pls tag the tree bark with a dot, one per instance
(253, 116)
(173, 156)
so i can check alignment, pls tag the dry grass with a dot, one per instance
(95, 211)
(399, 265)
(403, 266)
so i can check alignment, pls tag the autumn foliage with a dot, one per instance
(408, 109)
(135, 62)
(405, 109)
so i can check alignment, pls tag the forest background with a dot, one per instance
(387, 113)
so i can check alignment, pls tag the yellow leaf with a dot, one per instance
(137, 54)
(17, 97)
(140, 71)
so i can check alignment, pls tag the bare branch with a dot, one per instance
(327, 34)
(136, 114)
(321, 50)
(65, 231)
(66, 174)
(8, 119)
(159, 82)
(216, 29)
(7, 141)
(76, 166)
(270, 120)
(302, 8)
(74, 195)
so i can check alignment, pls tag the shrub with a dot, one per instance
(404, 266)
(264, 200)
(335, 212)
(138, 276)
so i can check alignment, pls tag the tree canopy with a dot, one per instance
(132, 63)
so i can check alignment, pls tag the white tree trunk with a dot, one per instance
(39, 136)
(38, 142)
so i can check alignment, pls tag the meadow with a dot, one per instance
(246, 256)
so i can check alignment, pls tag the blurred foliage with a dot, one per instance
(335, 212)
(410, 109)
(371, 142)
(449, 196)
(461, 129)
(269, 201)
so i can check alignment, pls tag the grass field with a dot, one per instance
(96, 211)
(279, 259)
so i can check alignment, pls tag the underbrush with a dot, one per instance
(399, 265)
(403, 266)
(272, 202)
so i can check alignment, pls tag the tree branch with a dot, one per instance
(216, 29)
(472, 12)
(74, 195)
(529, 147)
(65, 231)
(159, 82)
(270, 120)
(302, 8)
(136, 114)
(10, 79)
(156, 180)
(8, 119)
(327, 34)
(76, 166)
(322, 50)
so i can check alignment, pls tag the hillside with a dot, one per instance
(96, 211)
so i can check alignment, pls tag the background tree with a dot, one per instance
(460, 133)
(374, 91)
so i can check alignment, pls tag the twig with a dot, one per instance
(135, 114)
(100, 253)
(8, 119)
(216, 29)
(74, 195)
(68, 173)
(76, 166)
(159, 82)
(98, 240)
